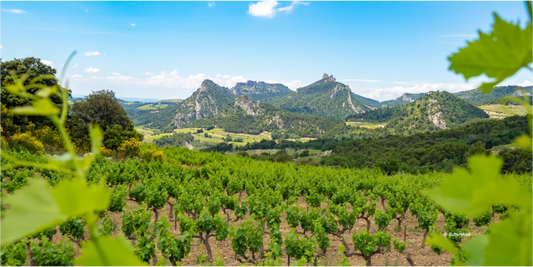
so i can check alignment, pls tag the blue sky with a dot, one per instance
(164, 50)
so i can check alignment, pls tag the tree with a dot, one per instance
(101, 107)
(31, 68)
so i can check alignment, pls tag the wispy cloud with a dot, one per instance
(16, 11)
(269, 8)
(133, 24)
(75, 66)
(211, 3)
(86, 10)
(459, 35)
(1, 46)
(92, 53)
(149, 73)
(91, 70)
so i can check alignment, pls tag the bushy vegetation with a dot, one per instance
(441, 150)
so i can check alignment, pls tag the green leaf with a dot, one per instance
(96, 138)
(510, 242)
(76, 197)
(33, 209)
(442, 242)
(499, 54)
(65, 161)
(524, 142)
(43, 107)
(474, 250)
(108, 252)
(473, 193)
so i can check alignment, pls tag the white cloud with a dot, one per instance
(149, 73)
(75, 66)
(133, 24)
(525, 83)
(47, 62)
(387, 90)
(16, 11)
(77, 76)
(116, 73)
(91, 70)
(92, 53)
(1, 46)
(211, 3)
(268, 8)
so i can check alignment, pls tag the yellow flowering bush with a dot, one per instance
(107, 152)
(130, 148)
(28, 141)
(50, 138)
(4, 143)
(152, 154)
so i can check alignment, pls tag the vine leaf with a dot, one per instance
(33, 209)
(108, 252)
(96, 138)
(43, 107)
(465, 192)
(76, 197)
(510, 242)
(442, 242)
(474, 250)
(498, 54)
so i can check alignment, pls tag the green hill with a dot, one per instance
(402, 100)
(476, 96)
(370, 103)
(210, 99)
(259, 91)
(325, 98)
(434, 111)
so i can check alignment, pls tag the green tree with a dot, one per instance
(101, 107)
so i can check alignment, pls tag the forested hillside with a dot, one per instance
(434, 111)
(477, 96)
(259, 91)
(252, 117)
(325, 98)
(439, 150)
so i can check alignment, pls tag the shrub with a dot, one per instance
(29, 142)
(107, 152)
(130, 148)
(152, 154)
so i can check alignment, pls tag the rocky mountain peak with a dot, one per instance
(246, 104)
(329, 78)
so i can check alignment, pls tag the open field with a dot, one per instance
(152, 106)
(216, 135)
(367, 124)
(498, 111)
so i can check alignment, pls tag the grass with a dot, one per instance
(152, 106)
(499, 111)
(367, 124)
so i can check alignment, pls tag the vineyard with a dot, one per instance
(198, 208)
